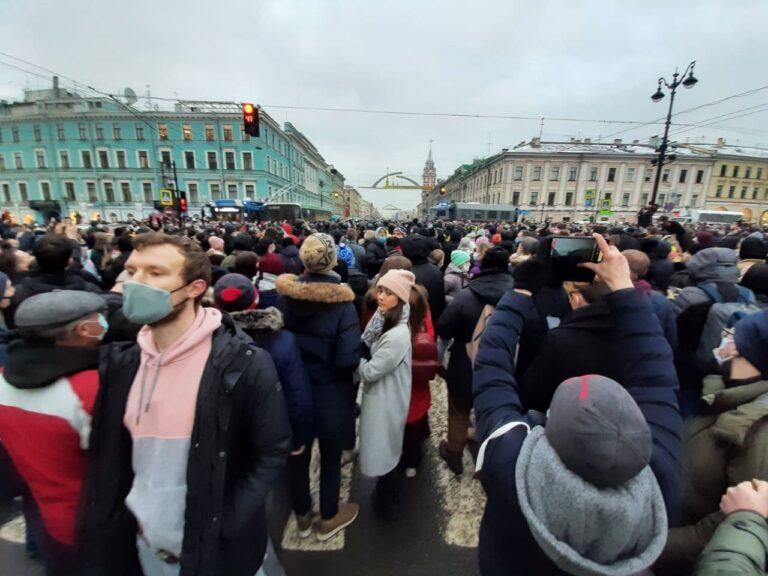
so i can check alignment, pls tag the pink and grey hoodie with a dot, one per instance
(159, 415)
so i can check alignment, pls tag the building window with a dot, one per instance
(189, 159)
(18, 161)
(146, 188)
(1, 136)
(45, 190)
(143, 156)
(245, 137)
(518, 172)
(247, 161)
(699, 176)
(554, 173)
(593, 174)
(516, 198)
(723, 169)
(249, 190)
(748, 172)
(551, 198)
(665, 175)
(162, 131)
(759, 173)
(215, 191)
(232, 191)
(23, 193)
(60, 133)
(755, 192)
(537, 172)
(662, 199)
(644, 199)
(228, 133)
(2, 162)
(63, 158)
(81, 132)
(213, 162)
(15, 134)
(572, 174)
(743, 192)
(125, 188)
(69, 191)
(269, 168)
(109, 192)
(534, 197)
(569, 198)
(103, 158)
(719, 191)
(40, 158)
(139, 132)
(648, 174)
(229, 160)
(192, 192)
(625, 199)
(99, 132)
(6, 193)
(735, 172)
(209, 135)
(117, 132)
(36, 131)
(85, 157)
(629, 175)
(165, 157)
(120, 157)
(683, 176)
(694, 200)
(186, 132)
(731, 191)
(91, 189)
(611, 174)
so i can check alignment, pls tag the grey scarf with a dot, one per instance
(375, 325)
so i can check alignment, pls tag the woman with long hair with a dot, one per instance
(386, 378)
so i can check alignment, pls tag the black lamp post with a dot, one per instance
(688, 81)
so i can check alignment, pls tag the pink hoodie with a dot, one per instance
(159, 415)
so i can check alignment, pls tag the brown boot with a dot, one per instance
(304, 524)
(453, 459)
(344, 517)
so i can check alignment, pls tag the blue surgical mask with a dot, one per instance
(104, 327)
(144, 304)
(381, 239)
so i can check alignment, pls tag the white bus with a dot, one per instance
(710, 217)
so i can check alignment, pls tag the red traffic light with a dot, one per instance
(182, 201)
(250, 119)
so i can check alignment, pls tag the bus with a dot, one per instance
(710, 217)
(292, 211)
(473, 211)
(250, 211)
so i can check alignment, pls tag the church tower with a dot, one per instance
(429, 175)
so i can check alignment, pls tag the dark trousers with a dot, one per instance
(413, 443)
(459, 408)
(386, 494)
(59, 558)
(330, 478)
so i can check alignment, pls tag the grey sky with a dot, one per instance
(580, 59)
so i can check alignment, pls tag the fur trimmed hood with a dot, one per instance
(313, 289)
(259, 322)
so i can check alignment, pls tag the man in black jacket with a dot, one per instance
(458, 323)
(190, 430)
(417, 249)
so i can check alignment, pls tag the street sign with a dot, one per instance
(606, 212)
(166, 197)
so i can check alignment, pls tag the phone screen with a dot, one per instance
(567, 252)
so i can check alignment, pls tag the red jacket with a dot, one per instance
(423, 370)
(46, 432)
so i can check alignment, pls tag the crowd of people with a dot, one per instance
(159, 378)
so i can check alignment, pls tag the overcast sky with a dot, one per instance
(574, 59)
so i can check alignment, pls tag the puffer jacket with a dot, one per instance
(292, 264)
(417, 250)
(454, 280)
(739, 547)
(320, 313)
(266, 328)
(375, 254)
(239, 444)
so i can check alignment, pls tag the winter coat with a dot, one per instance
(423, 369)
(506, 544)
(417, 250)
(265, 327)
(738, 548)
(458, 323)
(454, 281)
(448, 248)
(240, 441)
(318, 310)
(359, 253)
(662, 307)
(746, 264)
(375, 254)
(386, 381)
(292, 264)
(584, 343)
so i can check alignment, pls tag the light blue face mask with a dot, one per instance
(104, 327)
(144, 304)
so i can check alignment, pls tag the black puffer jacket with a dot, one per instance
(375, 254)
(417, 250)
(240, 440)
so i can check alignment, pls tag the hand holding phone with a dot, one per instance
(613, 269)
(567, 253)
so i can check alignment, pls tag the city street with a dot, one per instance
(436, 531)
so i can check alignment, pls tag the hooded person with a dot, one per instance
(243, 242)
(756, 279)
(270, 266)
(456, 275)
(319, 311)
(375, 251)
(289, 253)
(585, 490)
(47, 392)
(752, 250)
(386, 377)
(661, 269)
(417, 250)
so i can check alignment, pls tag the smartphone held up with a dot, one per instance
(567, 252)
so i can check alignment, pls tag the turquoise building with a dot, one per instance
(64, 153)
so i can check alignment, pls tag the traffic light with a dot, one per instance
(182, 201)
(442, 189)
(251, 119)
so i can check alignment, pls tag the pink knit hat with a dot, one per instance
(216, 243)
(399, 282)
(481, 240)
